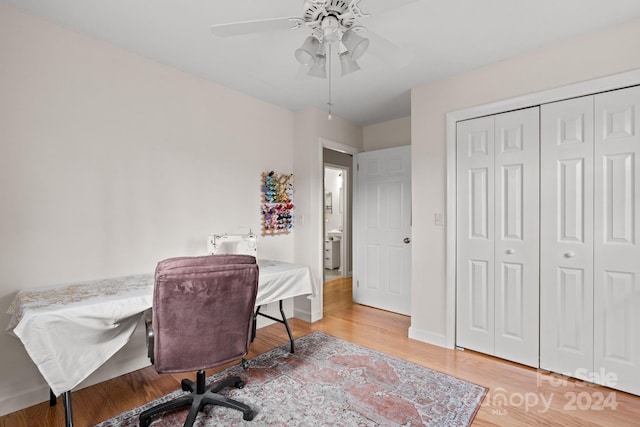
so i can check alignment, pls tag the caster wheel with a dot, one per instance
(248, 416)
(245, 364)
(239, 384)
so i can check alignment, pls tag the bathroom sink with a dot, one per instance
(335, 234)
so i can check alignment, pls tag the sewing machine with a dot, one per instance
(244, 244)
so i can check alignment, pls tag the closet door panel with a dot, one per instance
(566, 236)
(617, 236)
(475, 235)
(517, 235)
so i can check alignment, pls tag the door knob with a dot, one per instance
(407, 240)
(569, 254)
(511, 251)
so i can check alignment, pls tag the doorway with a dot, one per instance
(337, 207)
(335, 223)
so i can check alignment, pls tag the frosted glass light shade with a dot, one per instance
(355, 44)
(307, 52)
(348, 64)
(319, 67)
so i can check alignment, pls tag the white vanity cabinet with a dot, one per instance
(332, 254)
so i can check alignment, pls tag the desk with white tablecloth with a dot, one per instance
(70, 330)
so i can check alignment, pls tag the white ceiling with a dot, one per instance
(434, 39)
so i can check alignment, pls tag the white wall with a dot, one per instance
(598, 54)
(392, 133)
(110, 162)
(311, 128)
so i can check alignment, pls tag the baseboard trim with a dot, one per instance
(124, 361)
(429, 337)
(23, 398)
(302, 315)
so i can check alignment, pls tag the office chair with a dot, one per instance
(201, 318)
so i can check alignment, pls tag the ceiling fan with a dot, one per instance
(331, 22)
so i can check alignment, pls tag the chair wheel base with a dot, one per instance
(187, 385)
(198, 397)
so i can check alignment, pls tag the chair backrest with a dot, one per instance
(203, 311)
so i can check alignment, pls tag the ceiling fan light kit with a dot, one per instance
(332, 21)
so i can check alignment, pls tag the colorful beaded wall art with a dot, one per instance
(277, 203)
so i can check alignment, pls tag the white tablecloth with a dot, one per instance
(281, 280)
(71, 330)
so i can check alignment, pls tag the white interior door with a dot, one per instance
(382, 229)
(498, 236)
(475, 231)
(617, 238)
(566, 224)
(583, 252)
(517, 238)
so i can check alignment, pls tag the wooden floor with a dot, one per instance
(518, 396)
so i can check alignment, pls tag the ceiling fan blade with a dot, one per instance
(388, 52)
(257, 26)
(380, 6)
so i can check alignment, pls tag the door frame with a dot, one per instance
(615, 81)
(319, 215)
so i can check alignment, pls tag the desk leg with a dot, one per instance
(68, 412)
(286, 325)
(283, 321)
(255, 323)
(66, 399)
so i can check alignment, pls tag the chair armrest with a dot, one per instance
(148, 322)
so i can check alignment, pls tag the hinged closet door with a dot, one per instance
(617, 239)
(517, 235)
(475, 235)
(566, 236)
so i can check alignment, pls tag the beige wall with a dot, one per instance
(392, 133)
(312, 130)
(598, 54)
(110, 162)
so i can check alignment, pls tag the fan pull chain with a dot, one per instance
(329, 71)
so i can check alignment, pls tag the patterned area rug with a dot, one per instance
(332, 382)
